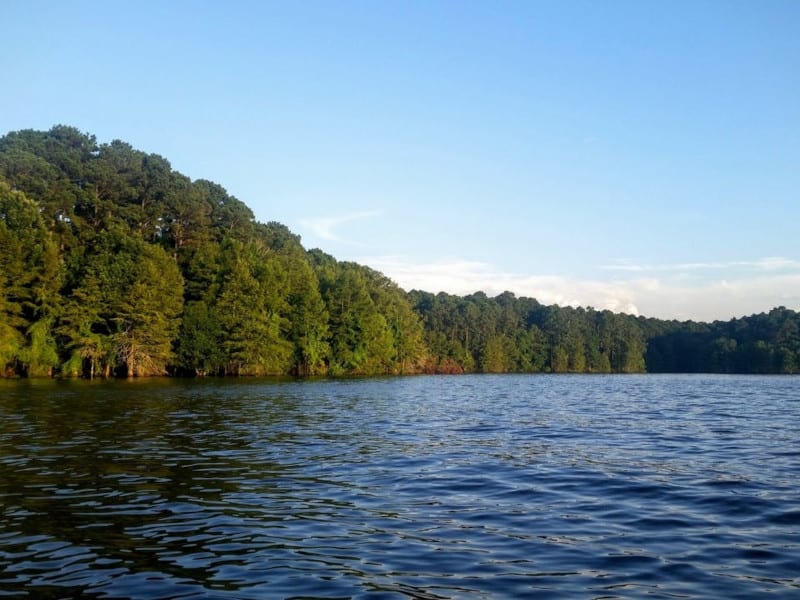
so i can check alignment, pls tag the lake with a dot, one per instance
(537, 486)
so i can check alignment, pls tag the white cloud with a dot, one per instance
(661, 297)
(771, 263)
(721, 299)
(323, 227)
(465, 277)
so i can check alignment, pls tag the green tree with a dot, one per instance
(308, 319)
(124, 312)
(30, 277)
(250, 309)
(362, 342)
(201, 341)
(496, 355)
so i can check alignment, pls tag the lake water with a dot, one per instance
(417, 487)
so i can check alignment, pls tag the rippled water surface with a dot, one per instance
(423, 487)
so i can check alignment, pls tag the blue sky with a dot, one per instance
(640, 156)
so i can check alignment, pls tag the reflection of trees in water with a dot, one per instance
(134, 473)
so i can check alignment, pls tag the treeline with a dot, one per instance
(509, 334)
(764, 343)
(114, 264)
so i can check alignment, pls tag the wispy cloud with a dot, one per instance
(771, 263)
(324, 227)
(654, 296)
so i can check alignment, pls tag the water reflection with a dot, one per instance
(429, 487)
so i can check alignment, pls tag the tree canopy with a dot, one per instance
(114, 264)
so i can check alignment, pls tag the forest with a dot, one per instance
(112, 264)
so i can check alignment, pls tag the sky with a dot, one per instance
(639, 156)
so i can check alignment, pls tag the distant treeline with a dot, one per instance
(114, 264)
(509, 334)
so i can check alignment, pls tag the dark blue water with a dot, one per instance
(424, 487)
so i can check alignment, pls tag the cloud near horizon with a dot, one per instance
(770, 263)
(662, 297)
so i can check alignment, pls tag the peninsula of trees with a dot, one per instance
(114, 264)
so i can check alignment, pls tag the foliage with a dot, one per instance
(30, 276)
(112, 263)
(123, 312)
(762, 343)
(509, 334)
